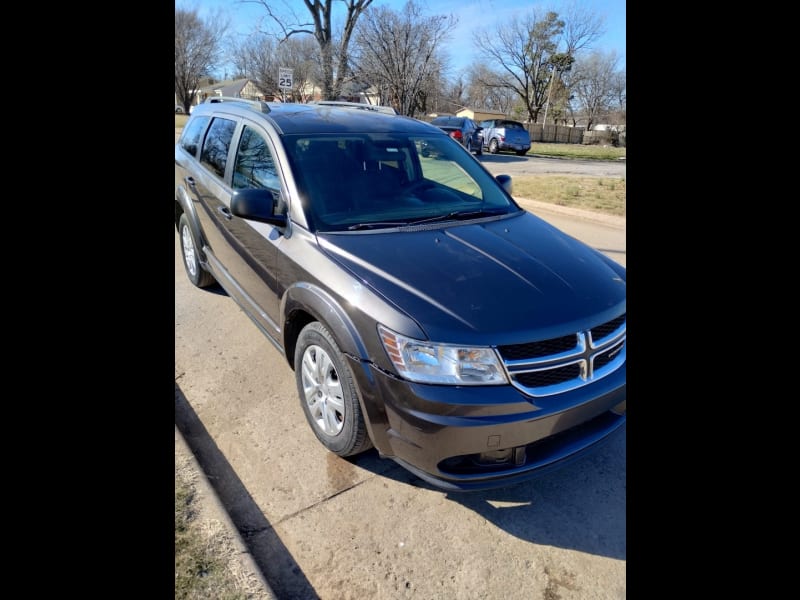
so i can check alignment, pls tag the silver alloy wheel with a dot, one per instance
(188, 251)
(322, 390)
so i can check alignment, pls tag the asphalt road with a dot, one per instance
(319, 526)
(538, 165)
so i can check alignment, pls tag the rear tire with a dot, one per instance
(191, 257)
(493, 147)
(327, 392)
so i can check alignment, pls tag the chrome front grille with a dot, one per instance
(561, 364)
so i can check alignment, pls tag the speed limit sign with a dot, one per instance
(284, 78)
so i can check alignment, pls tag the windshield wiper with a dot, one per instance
(358, 226)
(451, 216)
(461, 214)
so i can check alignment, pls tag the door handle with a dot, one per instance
(190, 182)
(226, 212)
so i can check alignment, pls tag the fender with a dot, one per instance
(324, 307)
(187, 206)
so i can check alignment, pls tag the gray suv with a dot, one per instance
(505, 135)
(423, 312)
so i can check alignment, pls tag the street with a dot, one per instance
(537, 165)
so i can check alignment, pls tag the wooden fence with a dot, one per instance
(561, 134)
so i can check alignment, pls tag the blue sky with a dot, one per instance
(470, 13)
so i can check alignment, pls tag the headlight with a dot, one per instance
(426, 362)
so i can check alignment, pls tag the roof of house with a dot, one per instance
(479, 114)
(230, 87)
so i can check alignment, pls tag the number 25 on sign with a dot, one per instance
(284, 78)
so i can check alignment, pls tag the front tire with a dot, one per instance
(191, 257)
(327, 392)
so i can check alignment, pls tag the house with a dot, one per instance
(232, 88)
(481, 115)
(245, 88)
(235, 88)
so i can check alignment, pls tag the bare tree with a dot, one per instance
(301, 54)
(333, 52)
(198, 50)
(619, 92)
(582, 28)
(254, 59)
(558, 93)
(260, 57)
(400, 54)
(596, 85)
(528, 52)
(454, 95)
(487, 89)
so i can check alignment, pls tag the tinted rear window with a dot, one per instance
(190, 139)
(217, 145)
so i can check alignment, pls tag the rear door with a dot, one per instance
(235, 155)
(210, 195)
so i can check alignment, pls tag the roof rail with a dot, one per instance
(388, 110)
(256, 104)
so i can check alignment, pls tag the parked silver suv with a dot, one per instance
(424, 313)
(505, 135)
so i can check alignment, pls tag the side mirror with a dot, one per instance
(505, 181)
(257, 205)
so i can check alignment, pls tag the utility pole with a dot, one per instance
(550, 91)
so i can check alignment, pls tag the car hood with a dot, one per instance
(502, 280)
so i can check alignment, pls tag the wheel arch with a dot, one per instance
(184, 206)
(304, 303)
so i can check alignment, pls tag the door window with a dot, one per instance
(217, 144)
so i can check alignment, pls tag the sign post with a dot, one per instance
(284, 80)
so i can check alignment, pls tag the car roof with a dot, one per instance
(323, 117)
(452, 120)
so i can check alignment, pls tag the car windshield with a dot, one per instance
(370, 181)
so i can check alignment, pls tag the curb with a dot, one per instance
(587, 215)
(206, 490)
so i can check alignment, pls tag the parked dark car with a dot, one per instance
(463, 130)
(423, 312)
(505, 135)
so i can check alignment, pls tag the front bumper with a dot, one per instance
(473, 438)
